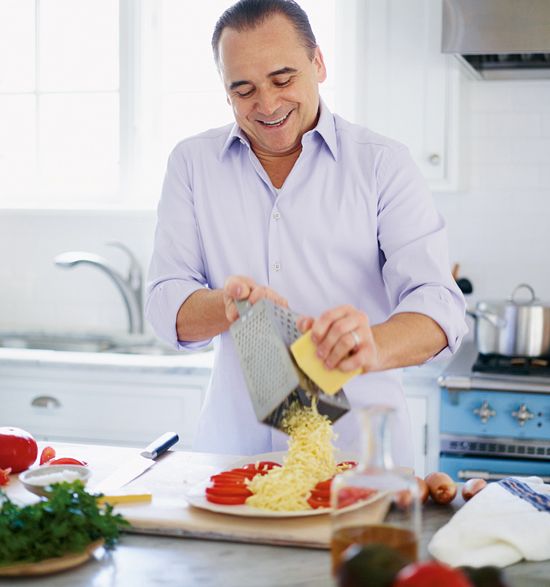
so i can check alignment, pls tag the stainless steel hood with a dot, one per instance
(499, 39)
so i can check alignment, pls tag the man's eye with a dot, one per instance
(283, 83)
(245, 94)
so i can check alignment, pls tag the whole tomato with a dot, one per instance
(430, 574)
(18, 449)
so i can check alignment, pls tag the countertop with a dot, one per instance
(158, 560)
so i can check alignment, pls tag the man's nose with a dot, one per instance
(268, 102)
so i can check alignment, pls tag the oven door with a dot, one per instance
(461, 468)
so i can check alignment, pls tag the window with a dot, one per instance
(95, 93)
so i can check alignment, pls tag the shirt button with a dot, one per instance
(276, 266)
(276, 215)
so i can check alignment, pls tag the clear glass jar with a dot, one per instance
(376, 502)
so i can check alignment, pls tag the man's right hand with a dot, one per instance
(239, 287)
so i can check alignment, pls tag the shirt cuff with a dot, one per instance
(161, 310)
(442, 306)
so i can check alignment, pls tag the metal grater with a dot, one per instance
(262, 337)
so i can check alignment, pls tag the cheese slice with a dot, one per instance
(329, 380)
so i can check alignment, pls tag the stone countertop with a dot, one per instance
(158, 561)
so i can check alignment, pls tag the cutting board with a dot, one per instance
(169, 514)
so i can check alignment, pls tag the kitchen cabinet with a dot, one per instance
(423, 399)
(123, 405)
(405, 87)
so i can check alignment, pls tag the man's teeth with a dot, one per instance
(276, 122)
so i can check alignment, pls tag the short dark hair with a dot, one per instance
(248, 14)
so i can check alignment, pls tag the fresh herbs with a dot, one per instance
(64, 523)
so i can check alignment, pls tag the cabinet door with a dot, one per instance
(411, 89)
(418, 413)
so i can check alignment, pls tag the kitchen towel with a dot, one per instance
(502, 524)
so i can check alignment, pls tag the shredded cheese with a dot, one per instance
(310, 459)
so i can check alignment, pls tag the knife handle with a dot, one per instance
(160, 445)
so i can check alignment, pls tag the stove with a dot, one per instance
(494, 416)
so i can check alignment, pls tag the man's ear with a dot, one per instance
(319, 64)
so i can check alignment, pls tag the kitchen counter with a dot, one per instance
(160, 560)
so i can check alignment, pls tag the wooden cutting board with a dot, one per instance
(169, 514)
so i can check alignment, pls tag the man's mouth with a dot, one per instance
(275, 123)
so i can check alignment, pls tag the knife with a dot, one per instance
(137, 464)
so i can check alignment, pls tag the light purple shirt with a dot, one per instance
(354, 223)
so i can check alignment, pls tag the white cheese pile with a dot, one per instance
(310, 459)
(57, 477)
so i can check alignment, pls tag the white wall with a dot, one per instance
(499, 227)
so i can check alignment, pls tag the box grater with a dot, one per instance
(262, 335)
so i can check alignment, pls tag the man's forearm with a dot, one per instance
(408, 339)
(201, 316)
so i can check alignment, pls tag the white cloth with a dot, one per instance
(502, 524)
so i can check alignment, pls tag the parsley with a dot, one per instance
(64, 523)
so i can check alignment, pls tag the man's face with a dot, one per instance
(271, 84)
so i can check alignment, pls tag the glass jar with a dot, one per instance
(376, 502)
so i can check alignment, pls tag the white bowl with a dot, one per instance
(38, 480)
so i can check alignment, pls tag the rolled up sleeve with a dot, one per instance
(413, 239)
(177, 267)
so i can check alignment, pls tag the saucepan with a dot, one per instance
(516, 327)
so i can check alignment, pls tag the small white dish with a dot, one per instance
(38, 480)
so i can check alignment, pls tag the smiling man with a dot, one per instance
(298, 205)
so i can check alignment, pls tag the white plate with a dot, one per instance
(197, 498)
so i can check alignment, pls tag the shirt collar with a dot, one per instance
(325, 129)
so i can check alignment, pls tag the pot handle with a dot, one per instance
(523, 286)
(493, 319)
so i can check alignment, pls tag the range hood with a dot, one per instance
(499, 39)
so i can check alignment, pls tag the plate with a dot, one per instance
(51, 565)
(33, 479)
(196, 496)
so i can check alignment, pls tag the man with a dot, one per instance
(297, 205)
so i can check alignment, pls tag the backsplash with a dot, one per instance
(498, 227)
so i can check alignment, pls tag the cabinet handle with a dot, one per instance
(434, 159)
(46, 401)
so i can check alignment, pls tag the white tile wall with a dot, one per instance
(499, 228)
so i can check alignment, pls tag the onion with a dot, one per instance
(442, 488)
(471, 487)
(423, 491)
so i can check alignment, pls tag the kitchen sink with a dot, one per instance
(131, 344)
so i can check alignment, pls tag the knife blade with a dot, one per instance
(137, 464)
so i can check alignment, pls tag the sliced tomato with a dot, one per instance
(320, 494)
(227, 499)
(350, 495)
(316, 503)
(5, 476)
(228, 490)
(324, 485)
(47, 454)
(222, 477)
(67, 461)
(262, 466)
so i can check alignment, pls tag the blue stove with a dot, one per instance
(494, 416)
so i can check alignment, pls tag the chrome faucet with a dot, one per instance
(129, 287)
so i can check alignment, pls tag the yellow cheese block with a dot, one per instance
(305, 354)
(125, 498)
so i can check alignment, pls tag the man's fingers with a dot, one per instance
(326, 319)
(304, 323)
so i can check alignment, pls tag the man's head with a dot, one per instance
(271, 67)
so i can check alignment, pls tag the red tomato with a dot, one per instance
(350, 495)
(318, 502)
(430, 574)
(228, 490)
(67, 461)
(18, 449)
(227, 499)
(48, 453)
(5, 476)
(262, 466)
(324, 485)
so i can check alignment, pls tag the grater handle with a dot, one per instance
(243, 306)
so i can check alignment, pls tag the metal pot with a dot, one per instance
(513, 327)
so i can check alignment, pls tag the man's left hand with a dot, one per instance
(344, 339)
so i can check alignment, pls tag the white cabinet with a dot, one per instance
(423, 400)
(405, 88)
(107, 406)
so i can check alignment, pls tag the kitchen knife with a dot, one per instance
(137, 464)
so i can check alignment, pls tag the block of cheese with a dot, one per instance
(330, 381)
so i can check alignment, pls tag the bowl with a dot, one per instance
(38, 480)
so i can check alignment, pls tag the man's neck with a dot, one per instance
(278, 167)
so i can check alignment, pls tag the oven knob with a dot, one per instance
(485, 412)
(523, 414)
